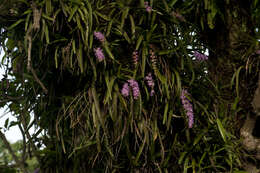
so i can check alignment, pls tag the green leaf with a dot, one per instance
(194, 165)
(171, 4)
(163, 25)
(198, 138)
(165, 113)
(109, 83)
(90, 41)
(132, 25)
(90, 17)
(27, 21)
(108, 51)
(109, 27)
(255, 3)
(166, 6)
(103, 16)
(211, 15)
(153, 18)
(202, 158)
(139, 41)
(46, 31)
(80, 58)
(127, 38)
(148, 37)
(56, 57)
(48, 7)
(186, 165)
(178, 80)
(167, 90)
(15, 24)
(237, 80)
(166, 52)
(47, 17)
(221, 130)
(215, 86)
(124, 16)
(183, 154)
(234, 105)
(141, 149)
(144, 54)
(160, 76)
(75, 8)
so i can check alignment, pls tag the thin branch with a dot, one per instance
(24, 156)
(38, 81)
(26, 131)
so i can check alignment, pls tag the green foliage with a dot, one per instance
(76, 99)
(6, 160)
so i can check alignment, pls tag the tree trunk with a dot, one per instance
(228, 50)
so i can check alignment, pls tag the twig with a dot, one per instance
(29, 38)
(38, 80)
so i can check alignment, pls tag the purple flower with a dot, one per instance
(150, 83)
(199, 56)
(99, 54)
(147, 7)
(99, 36)
(149, 80)
(135, 88)
(257, 52)
(187, 106)
(125, 90)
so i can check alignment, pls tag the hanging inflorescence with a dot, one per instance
(187, 106)
(134, 86)
(150, 83)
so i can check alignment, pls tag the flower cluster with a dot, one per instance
(147, 7)
(98, 51)
(125, 90)
(187, 106)
(99, 54)
(199, 56)
(135, 57)
(134, 86)
(99, 36)
(150, 83)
